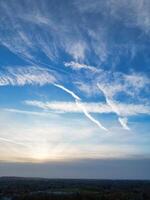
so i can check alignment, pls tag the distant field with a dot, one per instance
(12, 188)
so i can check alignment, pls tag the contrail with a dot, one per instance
(12, 141)
(109, 101)
(68, 91)
(122, 120)
(79, 104)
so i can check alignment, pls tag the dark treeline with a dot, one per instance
(60, 189)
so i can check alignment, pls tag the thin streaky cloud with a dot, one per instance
(79, 66)
(92, 107)
(26, 112)
(12, 141)
(25, 75)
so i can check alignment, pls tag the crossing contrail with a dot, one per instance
(79, 104)
(122, 120)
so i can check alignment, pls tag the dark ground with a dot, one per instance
(12, 188)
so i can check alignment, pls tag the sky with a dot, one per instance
(75, 88)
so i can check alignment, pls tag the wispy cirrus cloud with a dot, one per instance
(26, 75)
(60, 106)
(78, 66)
(131, 84)
(48, 31)
(36, 75)
(26, 112)
(114, 85)
(76, 49)
(132, 15)
(69, 106)
(14, 142)
(72, 30)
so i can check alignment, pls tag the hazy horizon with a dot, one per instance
(136, 169)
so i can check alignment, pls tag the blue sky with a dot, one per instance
(74, 80)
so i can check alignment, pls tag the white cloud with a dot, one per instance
(78, 66)
(76, 49)
(36, 19)
(131, 85)
(70, 106)
(88, 89)
(136, 80)
(25, 75)
(60, 106)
